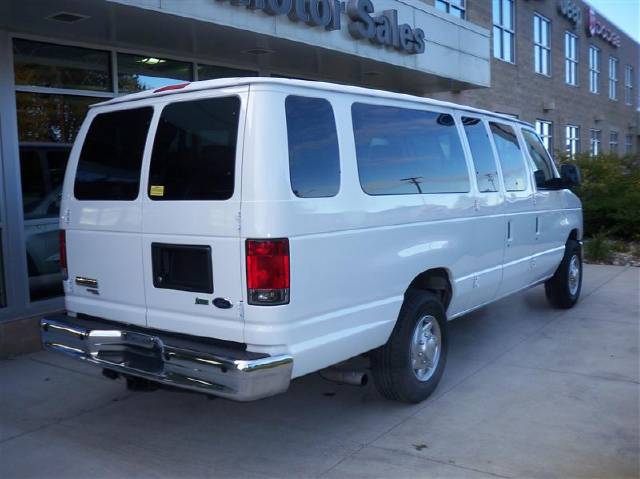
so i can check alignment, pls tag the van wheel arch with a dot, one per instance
(436, 280)
(574, 235)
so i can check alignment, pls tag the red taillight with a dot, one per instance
(268, 271)
(63, 253)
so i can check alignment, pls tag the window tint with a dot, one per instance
(483, 160)
(194, 151)
(402, 151)
(513, 169)
(542, 169)
(111, 156)
(314, 159)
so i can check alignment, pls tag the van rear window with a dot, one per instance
(402, 151)
(194, 152)
(111, 156)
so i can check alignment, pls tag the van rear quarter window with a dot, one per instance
(403, 151)
(111, 156)
(510, 155)
(314, 157)
(194, 151)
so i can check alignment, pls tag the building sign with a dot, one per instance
(571, 10)
(596, 28)
(382, 29)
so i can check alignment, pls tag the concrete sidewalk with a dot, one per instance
(528, 391)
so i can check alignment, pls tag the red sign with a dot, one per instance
(596, 28)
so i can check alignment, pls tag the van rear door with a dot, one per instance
(101, 216)
(191, 237)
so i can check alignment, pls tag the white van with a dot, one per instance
(228, 236)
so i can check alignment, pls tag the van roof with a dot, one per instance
(188, 87)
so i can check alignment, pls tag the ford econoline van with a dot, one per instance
(231, 235)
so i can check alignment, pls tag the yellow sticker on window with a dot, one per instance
(156, 190)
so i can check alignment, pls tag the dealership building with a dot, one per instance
(555, 63)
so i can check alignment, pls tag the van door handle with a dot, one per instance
(537, 227)
(509, 237)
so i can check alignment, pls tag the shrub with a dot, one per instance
(598, 249)
(610, 194)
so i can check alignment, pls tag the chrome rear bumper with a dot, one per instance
(162, 358)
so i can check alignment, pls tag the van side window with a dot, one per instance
(194, 152)
(402, 151)
(541, 161)
(513, 168)
(314, 158)
(111, 156)
(482, 153)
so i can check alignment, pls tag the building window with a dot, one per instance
(39, 64)
(613, 78)
(503, 30)
(544, 129)
(541, 44)
(55, 84)
(628, 85)
(139, 72)
(628, 144)
(453, 7)
(572, 134)
(596, 139)
(594, 69)
(211, 72)
(570, 59)
(613, 142)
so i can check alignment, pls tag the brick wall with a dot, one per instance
(516, 88)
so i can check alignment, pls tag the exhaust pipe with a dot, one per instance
(354, 378)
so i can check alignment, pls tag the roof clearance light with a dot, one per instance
(171, 87)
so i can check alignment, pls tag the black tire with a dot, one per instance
(561, 290)
(391, 364)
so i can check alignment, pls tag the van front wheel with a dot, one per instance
(563, 288)
(409, 366)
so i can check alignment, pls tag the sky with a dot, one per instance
(625, 14)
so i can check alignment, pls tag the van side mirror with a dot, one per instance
(570, 175)
(569, 178)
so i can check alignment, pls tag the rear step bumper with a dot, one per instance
(153, 356)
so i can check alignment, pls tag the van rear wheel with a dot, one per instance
(563, 288)
(409, 366)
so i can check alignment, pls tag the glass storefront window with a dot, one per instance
(138, 72)
(211, 72)
(50, 118)
(58, 66)
(47, 126)
(42, 171)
